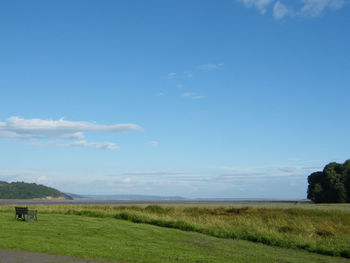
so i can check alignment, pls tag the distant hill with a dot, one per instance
(21, 190)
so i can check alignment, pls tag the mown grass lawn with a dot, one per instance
(322, 229)
(122, 241)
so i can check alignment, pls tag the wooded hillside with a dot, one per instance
(21, 190)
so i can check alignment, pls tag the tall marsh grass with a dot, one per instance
(324, 231)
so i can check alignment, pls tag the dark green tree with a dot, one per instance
(332, 185)
(347, 178)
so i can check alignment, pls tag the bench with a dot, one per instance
(23, 213)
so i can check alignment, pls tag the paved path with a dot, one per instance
(14, 256)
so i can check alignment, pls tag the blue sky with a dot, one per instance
(231, 99)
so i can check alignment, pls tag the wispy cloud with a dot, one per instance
(97, 145)
(126, 180)
(192, 95)
(154, 173)
(172, 75)
(171, 176)
(153, 143)
(80, 143)
(195, 69)
(180, 76)
(43, 143)
(167, 182)
(41, 180)
(314, 8)
(209, 66)
(266, 172)
(280, 10)
(261, 5)
(19, 128)
(304, 8)
(31, 176)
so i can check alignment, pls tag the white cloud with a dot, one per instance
(314, 8)
(192, 95)
(29, 176)
(19, 128)
(261, 5)
(126, 180)
(81, 143)
(19, 175)
(305, 8)
(153, 143)
(98, 145)
(280, 10)
(336, 4)
(41, 180)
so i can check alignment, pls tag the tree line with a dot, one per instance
(332, 185)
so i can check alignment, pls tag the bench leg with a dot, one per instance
(19, 216)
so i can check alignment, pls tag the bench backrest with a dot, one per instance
(21, 210)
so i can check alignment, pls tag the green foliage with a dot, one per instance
(21, 190)
(332, 185)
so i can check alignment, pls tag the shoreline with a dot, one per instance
(163, 201)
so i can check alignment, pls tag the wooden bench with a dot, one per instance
(23, 213)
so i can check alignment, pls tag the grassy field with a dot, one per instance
(122, 241)
(323, 229)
